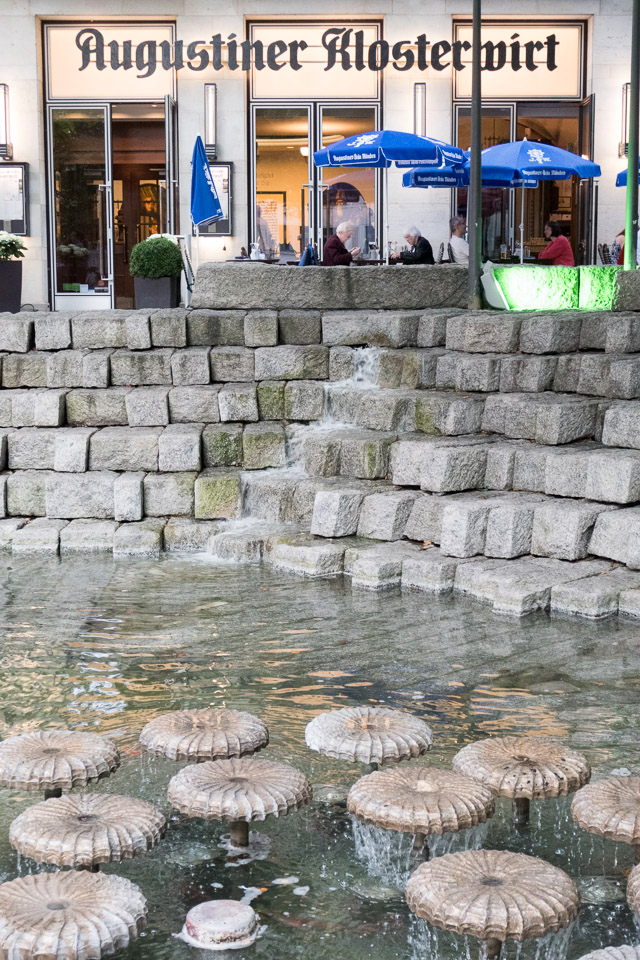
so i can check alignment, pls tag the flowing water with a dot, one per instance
(104, 646)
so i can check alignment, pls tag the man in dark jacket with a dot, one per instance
(335, 253)
(420, 251)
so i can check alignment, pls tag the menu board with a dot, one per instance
(14, 198)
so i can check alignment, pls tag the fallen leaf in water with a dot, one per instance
(363, 683)
(300, 631)
(290, 650)
(329, 674)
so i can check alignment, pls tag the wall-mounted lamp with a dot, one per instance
(211, 120)
(6, 149)
(420, 109)
(623, 147)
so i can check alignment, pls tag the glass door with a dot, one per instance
(497, 213)
(283, 221)
(171, 166)
(347, 193)
(82, 211)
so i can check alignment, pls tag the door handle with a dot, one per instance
(125, 237)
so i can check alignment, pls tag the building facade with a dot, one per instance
(104, 102)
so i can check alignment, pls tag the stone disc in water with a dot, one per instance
(209, 734)
(244, 789)
(610, 808)
(368, 735)
(70, 914)
(221, 925)
(86, 829)
(524, 767)
(633, 889)
(614, 953)
(493, 894)
(56, 759)
(420, 800)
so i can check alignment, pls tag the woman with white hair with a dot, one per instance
(420, 251)
(335, 253)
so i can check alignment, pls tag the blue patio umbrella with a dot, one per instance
(524, 163)
(381, 148)
(444, 176)
(621, 179)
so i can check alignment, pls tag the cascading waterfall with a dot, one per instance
(388, 853)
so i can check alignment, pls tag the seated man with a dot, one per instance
(335, 253)
(420, 252)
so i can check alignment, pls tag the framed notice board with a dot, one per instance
(222, 174)
(14, 198)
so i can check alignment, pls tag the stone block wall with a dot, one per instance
(495, 455)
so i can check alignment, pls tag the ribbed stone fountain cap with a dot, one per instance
(493, 895)
(221, 925)
(420, 800)
(70, 914)
(56, 760)
(614, 953)
(610, 808)
(368, 735)
(239, 790)
(86, 829)
(211, 733)
(633, 889)
(524, 767)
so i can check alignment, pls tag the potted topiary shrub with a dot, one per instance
(11, 252)
(156, 264)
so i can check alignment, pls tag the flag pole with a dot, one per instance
(474, 194)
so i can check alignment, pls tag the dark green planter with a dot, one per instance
(10, 286)
(160, 292)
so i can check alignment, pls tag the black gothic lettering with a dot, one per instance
(399, 54)
(438, 51)
(167, 62)
(551, 43)
(458, 47)
(495, 55)
(529, 53)
(258, 58)
(423, 43)
(330, 40)
(115, 60)
(216, 53)
(515, 52)
(194, 54)
(294, 47)
(232, 52)
(378, 55)
(87, 49)
(359, 45)
(275, 50)
(146, 58)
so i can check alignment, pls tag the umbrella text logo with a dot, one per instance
(364, 140)
(538, 156)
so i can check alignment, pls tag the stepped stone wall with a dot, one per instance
(492, 455)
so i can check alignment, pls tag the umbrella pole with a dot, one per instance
(386, 213)
(631, 212)
(197, 257)
(522, 228)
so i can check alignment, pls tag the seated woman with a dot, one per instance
(558, 252)
(335, 253)
(420, 251)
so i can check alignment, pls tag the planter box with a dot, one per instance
(10, 286)
(160, 292)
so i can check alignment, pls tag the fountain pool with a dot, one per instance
(104, 647)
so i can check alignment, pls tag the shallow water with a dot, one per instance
(104, 646)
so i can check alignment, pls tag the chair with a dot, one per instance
(452, 259)
(605, 254)
(440, 254)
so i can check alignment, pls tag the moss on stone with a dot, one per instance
(426, 416)
(271, 399)
(222, 445)
(218, 496)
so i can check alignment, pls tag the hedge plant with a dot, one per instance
(158, 257)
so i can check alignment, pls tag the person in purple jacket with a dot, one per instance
(335, 253)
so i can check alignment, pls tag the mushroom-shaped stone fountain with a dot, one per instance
(494, 895)
(69, 914)
(56, 760)
(87, 829)
(610, 808)
(239, 791)
(633, 890)
(421, 801)
(372, 735)
(614, 953)
(212, 733)
(524, 768)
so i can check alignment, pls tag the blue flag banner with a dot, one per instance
(205, 205)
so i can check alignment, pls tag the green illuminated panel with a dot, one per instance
(540, 288)
(597, 287)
